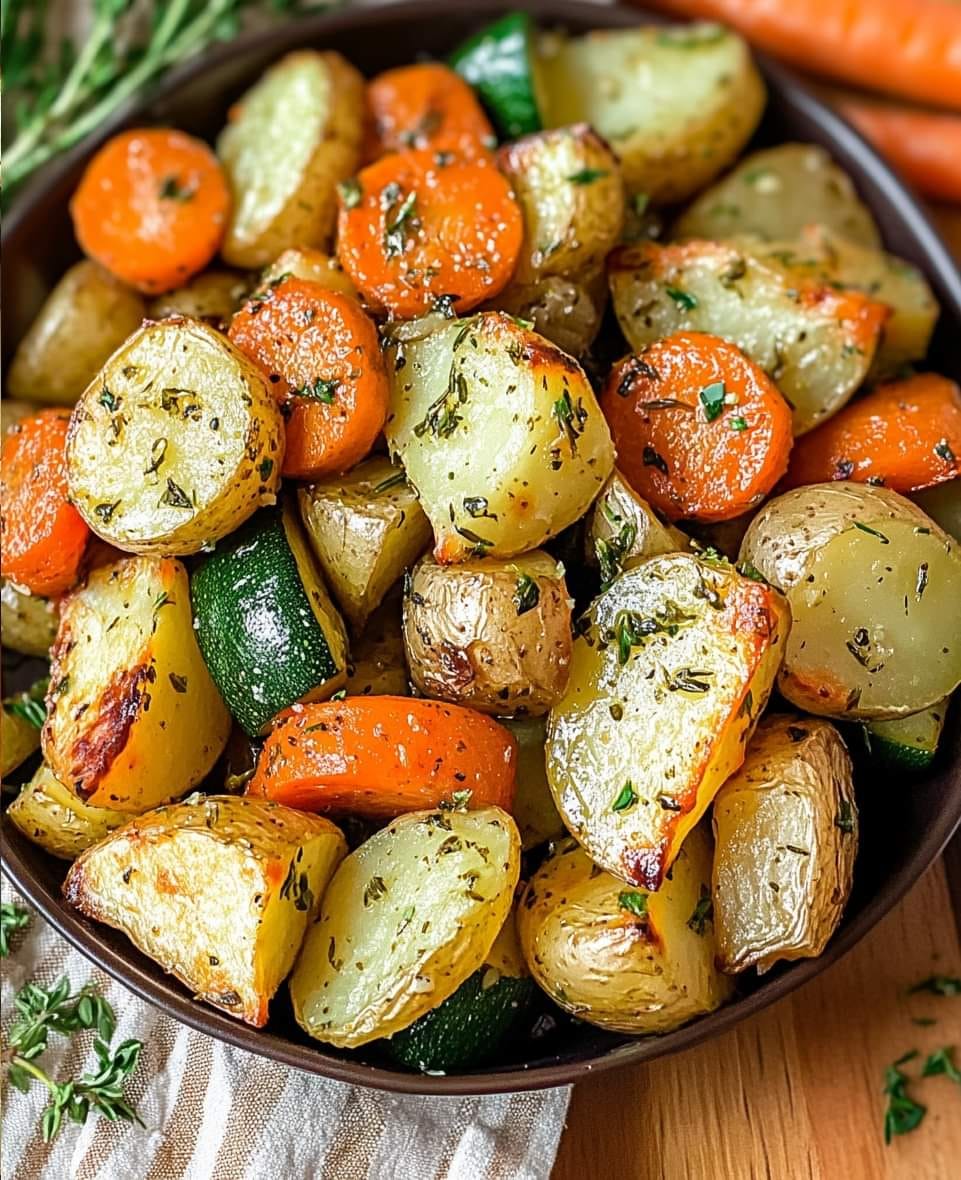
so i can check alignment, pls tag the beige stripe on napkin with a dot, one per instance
(213, 1112)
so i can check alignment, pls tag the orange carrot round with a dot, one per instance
(43, 535)
(379, 756)
(905, 435)
(700, 430)
(907, 47)
(152, 207)
(323, 357)
(420, 227)
(425, 106)
(924, 147)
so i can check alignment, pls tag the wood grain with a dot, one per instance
(795, 1093)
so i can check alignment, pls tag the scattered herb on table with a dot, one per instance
(12, 917)
(942, 1062)
(902, 1114)
(938, 985)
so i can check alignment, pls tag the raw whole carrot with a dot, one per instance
(924, 147)
(425, 106)
(906, 47)
(152, 207)
(905, 435)
(42, 535)
(322, 354)
(701, 431)
(421, 229)
(379, 756)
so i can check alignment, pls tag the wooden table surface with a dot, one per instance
(795, 1093)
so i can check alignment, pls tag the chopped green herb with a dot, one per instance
(107, 399)
(375, 889)
(399, 217)
(459, 800)
(747, 570)
(684, 299)
(527, 594)
(481, 543)
(631, 629)
(28, 706)
(612, 551)
(626, 797)
(738, 423)
(938, 985)
(651, 458)
(172, 190)
(350, 193)
(943, 450)
(392, 481)
(903, 1114)
(712, 399)
(703, 911)
(158, 453)
(588, 175)
(633, 901)
(175, 496)
(571, 418)
(640, 202)
(105, 511)
(320, 390)
(265, 468)
(942, 1062)
(845, 817)
(477, 506)
(871, 532)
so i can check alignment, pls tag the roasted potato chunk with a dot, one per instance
(303, 263)
(218, 889)
(365, 528)
(378, 665)
(485, 412)
(815, 342)
(128, 686)
(490, 633)
(785, 831)
(566, 313)
(775, 193)
(213, 296)
(569, 186)
(19, 734)
(295, 135)
(53, 817)
(667, 681)
(874, 587)
(533, 808)
(625, 530)
(176, 442)
(619, 958)
(408, 917)
(28, 623)
(675, 104)
(85, 317)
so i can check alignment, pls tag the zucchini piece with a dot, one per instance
(906, 743)
(469, 1027)
(500, 63)
(267, 628)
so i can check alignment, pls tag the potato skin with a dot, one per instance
(295, 135)
(609, 966)
(624, 530)
(565, 312)
(175, 443)
(673, 665)
(302, 262)
(873, 584)
(213, 296)
(785, 830)
(489, 633)
(568, 183)
(51, 815)
(127, 686)
(218, 889)
(484, 410)
(85, 317)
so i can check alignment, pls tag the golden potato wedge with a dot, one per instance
(564, 312)
(775, 193)
(490, 633)
(128, 688)
(677, 105)
(874, 586)
(483, 409)
(815, 342)
(365, 528)
(620, 958)
(85, 317)
(675, 665)
(537, 818)
(301, 262)
(218, 889)
(378, 664)
(785, 832)
(28, 623)
(569, 186)
(624, 530)
(408, 917)
(176, 443)
(53, 817)
(295, 135)
(19, 730)
(213, 296)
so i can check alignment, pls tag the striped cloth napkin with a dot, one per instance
(213, 1112)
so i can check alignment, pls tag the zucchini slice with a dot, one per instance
(500, 63)
(906, 743)
(267, 628)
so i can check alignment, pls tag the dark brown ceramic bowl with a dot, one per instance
(904, 825)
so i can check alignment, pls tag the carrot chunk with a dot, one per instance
(425, 106)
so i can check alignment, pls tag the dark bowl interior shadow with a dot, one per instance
(904, 824)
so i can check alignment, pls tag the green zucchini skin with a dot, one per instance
(499, 63)
(258, 634)
(906, 743)
(467, 1029)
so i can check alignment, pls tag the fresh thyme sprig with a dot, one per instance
(12, 917)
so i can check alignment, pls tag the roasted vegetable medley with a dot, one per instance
(468, 515)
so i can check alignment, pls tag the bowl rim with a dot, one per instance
(47, 189)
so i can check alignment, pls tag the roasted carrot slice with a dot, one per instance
(420, 229)
(322, 354)
(425, 106)
(152, 207)
(701, 431)
(904, 435)
(42, 535)
(380, 756)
